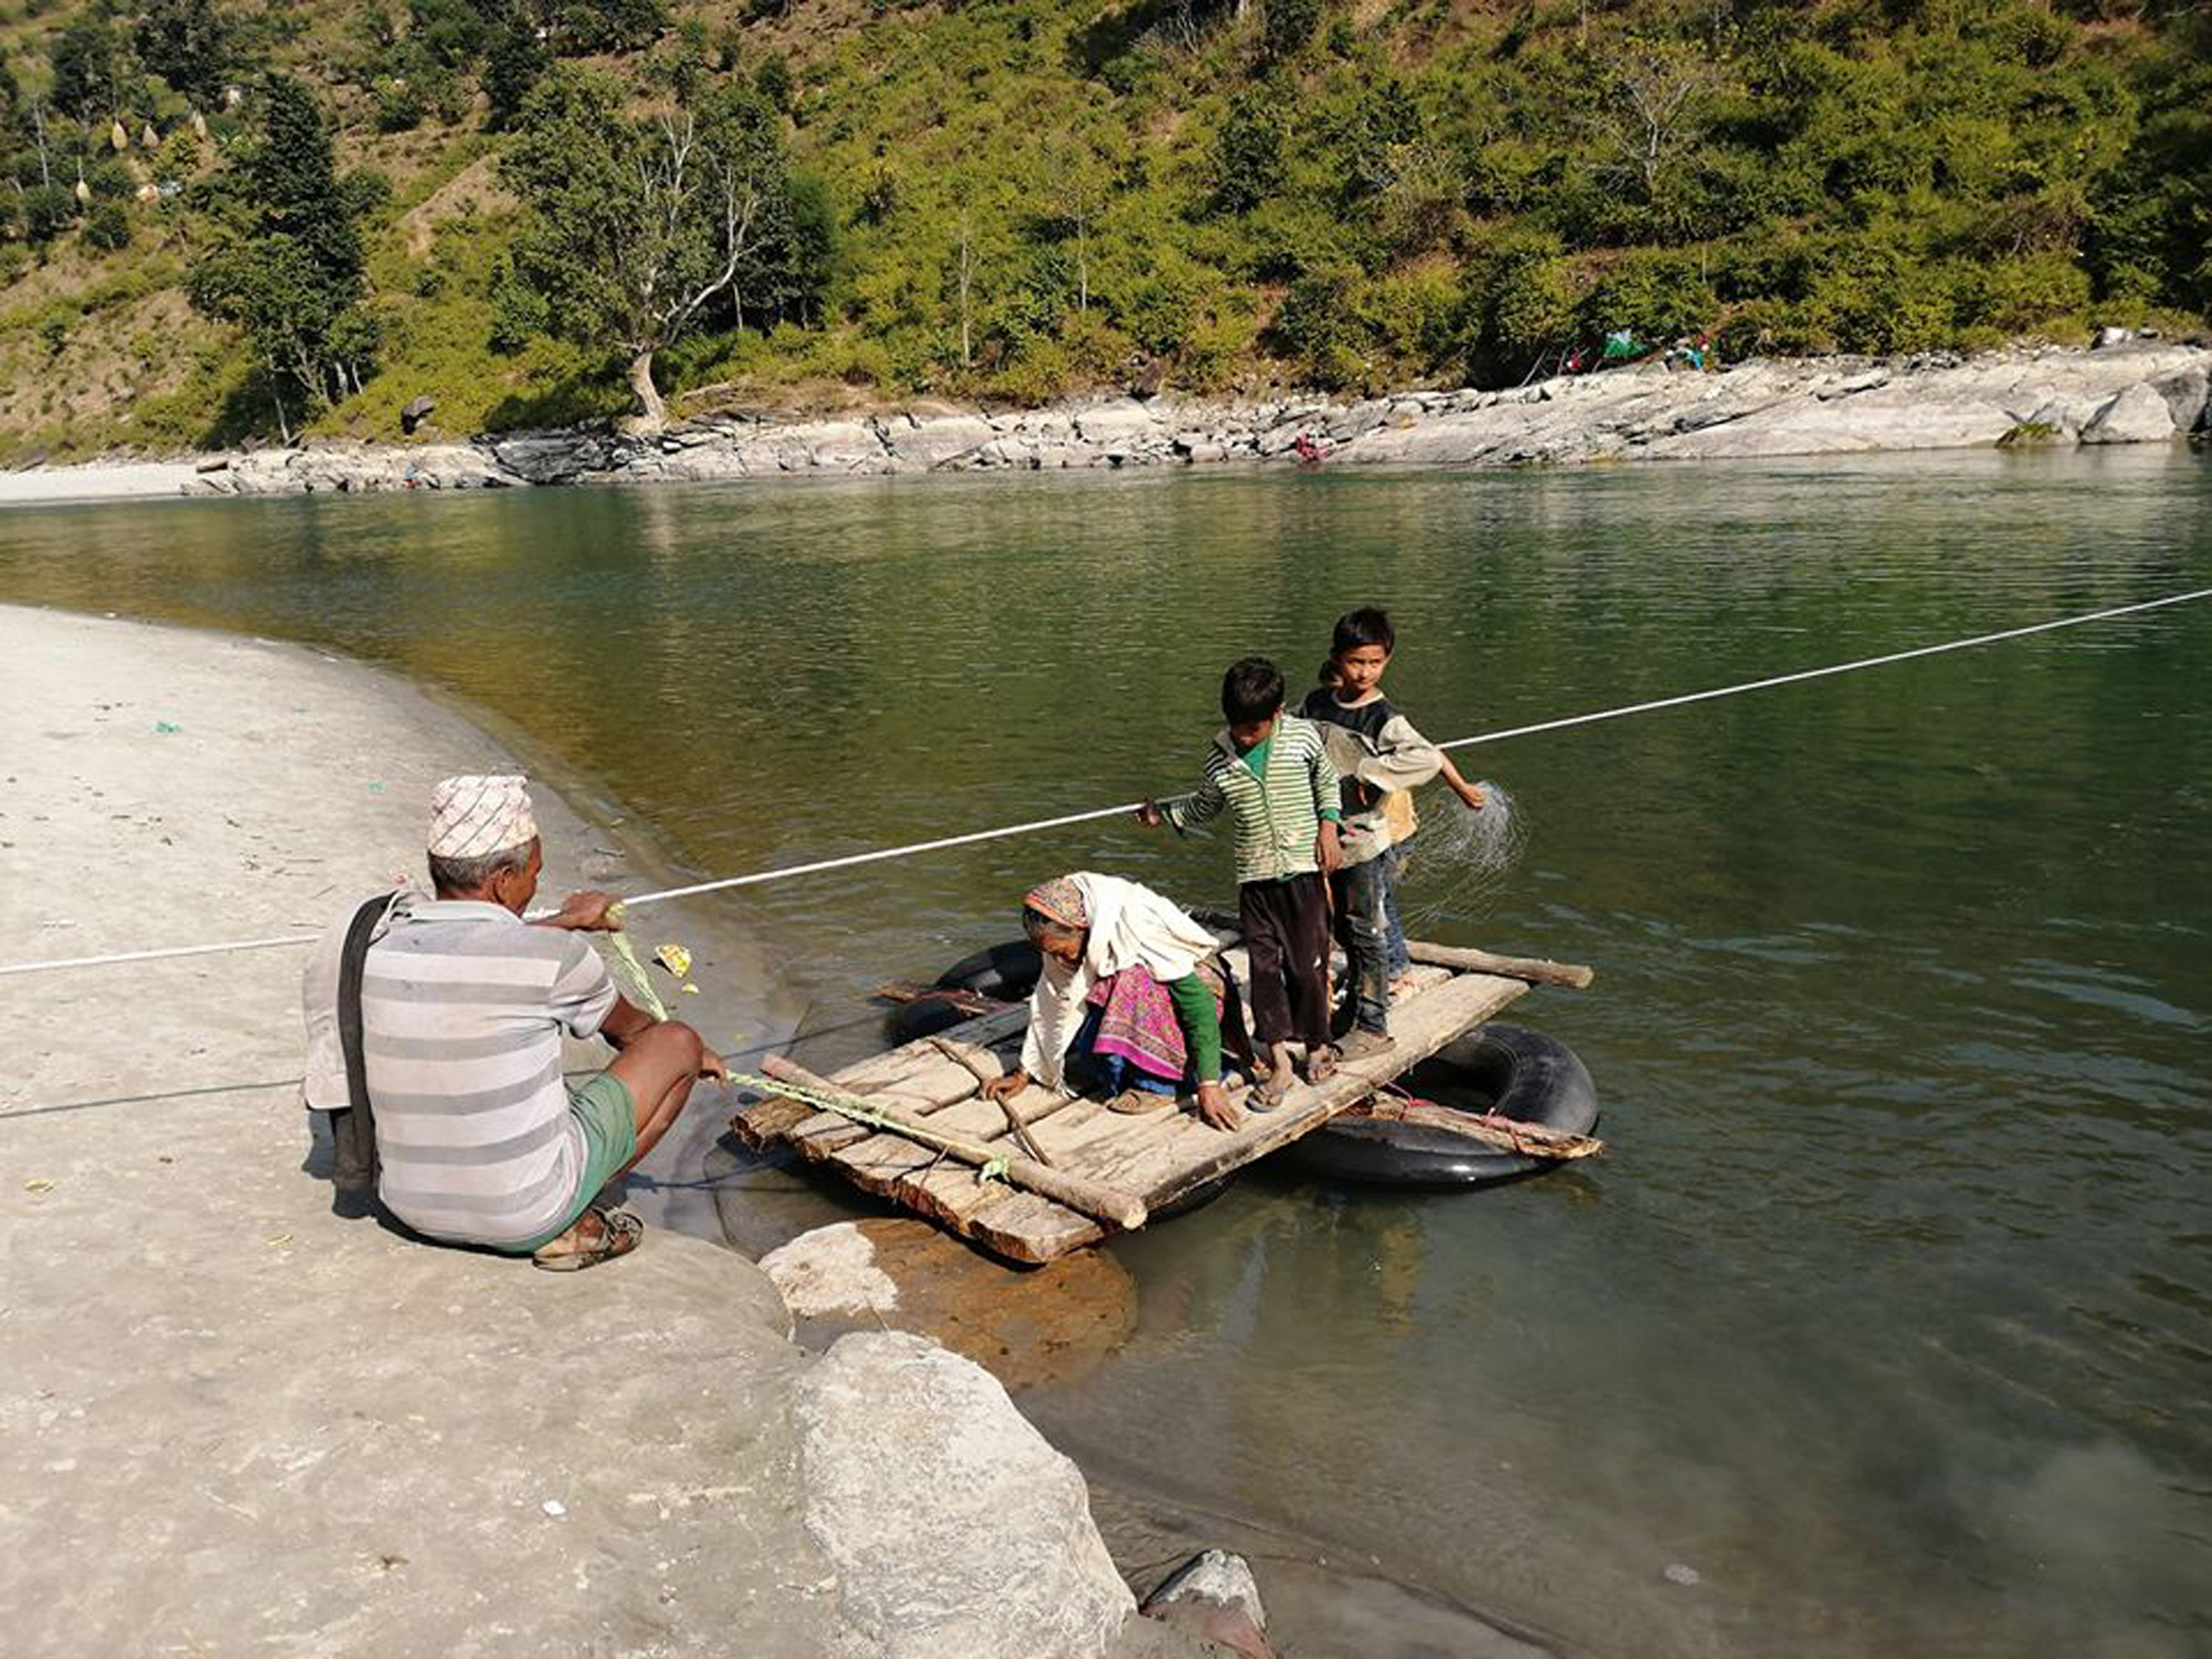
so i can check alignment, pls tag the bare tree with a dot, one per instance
(964, 277)
(636, 226)
(702, 198)
(1653, 107)
(1075, 182)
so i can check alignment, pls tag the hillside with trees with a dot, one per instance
(227, 220)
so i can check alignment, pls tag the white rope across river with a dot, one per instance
(1037, 826)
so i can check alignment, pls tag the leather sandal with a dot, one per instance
(619, 1232)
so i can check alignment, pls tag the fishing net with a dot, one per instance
(1460, 860)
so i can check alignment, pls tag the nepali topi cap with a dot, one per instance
(476, 816)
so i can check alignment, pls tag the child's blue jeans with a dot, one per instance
(1401, 959)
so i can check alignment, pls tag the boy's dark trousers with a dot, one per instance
(1362, 892)
(1285, 926)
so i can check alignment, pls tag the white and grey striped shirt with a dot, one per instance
(463, 1006)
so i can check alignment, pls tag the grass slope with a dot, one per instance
(1347, 193)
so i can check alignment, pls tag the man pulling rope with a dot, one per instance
(443, 1027)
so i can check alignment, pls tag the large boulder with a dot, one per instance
(1117, 427)
(2137, 415)
(955, 1531)
(926, 441)
(2188, 394)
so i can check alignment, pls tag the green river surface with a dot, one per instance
(1884, 1327)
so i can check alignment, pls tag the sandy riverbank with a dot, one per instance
(2143, 391)
(230, 1422)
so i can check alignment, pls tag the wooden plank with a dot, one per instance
(1415, 980)
(1122, 1209)
(983, 1030)
(1162, 1155)
(1023, 1227)
(1148, 1156)
(1536, 970)
(1422, 1026)
(921, 1093)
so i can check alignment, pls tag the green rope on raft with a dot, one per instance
(991, 1168)
(635, 985)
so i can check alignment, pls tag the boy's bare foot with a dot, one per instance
(1364, 1044)
(1321, 1064)
(1269, 1095)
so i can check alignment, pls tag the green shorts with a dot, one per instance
(602, 1108)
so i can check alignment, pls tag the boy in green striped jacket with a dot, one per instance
(1272, 771)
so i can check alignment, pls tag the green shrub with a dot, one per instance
(1410, 317)
(1655, 296)
(1215, 351)
(1286, 25)
(1097, 349)
(48, 210)
(1519, 298)
(107, 227)
(1248, 150)
(1321, 328)
(1162, 310)
(400, 103)
(772, 79)
(518, 310)
(1042, 370)
(2012, 296)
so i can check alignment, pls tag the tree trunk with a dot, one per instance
(652, 414)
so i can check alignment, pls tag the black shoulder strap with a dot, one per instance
(354, 1128)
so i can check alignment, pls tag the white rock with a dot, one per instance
(957, 1533)
(1117, 425)
(2137, 415)
(840, 445)
(2188, 394)
(830, 1270)
(937, 441)
(1213, 1595)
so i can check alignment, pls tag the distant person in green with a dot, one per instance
(1380, 758)
(1271, 771)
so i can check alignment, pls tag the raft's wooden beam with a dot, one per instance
(1535, 970)
(1420, 1027)
(1093, 1198)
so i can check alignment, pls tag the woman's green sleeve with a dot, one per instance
(1201, 1024)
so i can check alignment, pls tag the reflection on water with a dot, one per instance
(1889, 1313)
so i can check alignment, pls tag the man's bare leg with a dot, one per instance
(658, 1068)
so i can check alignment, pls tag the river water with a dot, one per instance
(1885, 1326)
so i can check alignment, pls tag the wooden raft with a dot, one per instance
(1161, 1157)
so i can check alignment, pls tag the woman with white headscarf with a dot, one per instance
(1132, 985)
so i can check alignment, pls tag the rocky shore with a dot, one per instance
(2132, 391)
(232, 1422)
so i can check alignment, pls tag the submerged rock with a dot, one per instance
(1036, 1326)
(832, 1270)
(955, 1531)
